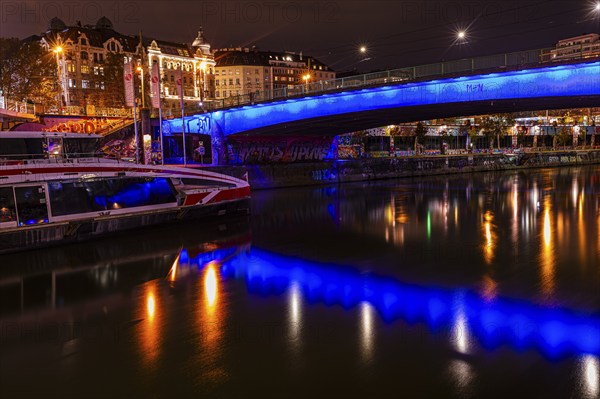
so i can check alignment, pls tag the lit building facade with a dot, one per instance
(85, 50)
(242, 71)
(584, 46)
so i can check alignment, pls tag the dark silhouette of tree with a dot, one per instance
(27, 72)
(420, 133)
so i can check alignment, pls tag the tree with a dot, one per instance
(563, 136)
(27, 72)
(420, 133)
(496, 126)
(9, 47)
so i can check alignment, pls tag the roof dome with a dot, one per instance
(201, 43)
(104, 23)
(57, 24)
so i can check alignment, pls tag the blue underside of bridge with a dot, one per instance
(564, 86)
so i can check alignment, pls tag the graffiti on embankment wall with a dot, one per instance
(258, 150)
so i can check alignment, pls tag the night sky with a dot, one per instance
(396, 33)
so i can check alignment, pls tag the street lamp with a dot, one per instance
(363, 49)
(57, 51)
(202, 72)
(306, 79)
(141, 71)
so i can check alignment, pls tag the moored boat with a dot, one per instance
(55, 192)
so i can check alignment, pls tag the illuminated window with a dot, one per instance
(85, 69)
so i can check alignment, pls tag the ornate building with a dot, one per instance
(83, 52)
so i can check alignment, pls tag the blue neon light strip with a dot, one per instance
(557, 81)
(519, 324)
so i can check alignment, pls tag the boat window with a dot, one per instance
(68, 198)
(22, 148)
(206, 182)
(7, 205)
(80, 148)
(31, 205)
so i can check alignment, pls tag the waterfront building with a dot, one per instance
(82, 52)
(584, 46)
(242, 71)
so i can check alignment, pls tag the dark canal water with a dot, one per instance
(484, 285)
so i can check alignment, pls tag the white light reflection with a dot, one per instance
(367, 330)
(295, 314)
(590, 376)
(461, 371)
(460, 331)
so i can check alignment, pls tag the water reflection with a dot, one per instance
(367, 331)
(490, 237)
(150, 324)
(547, 252)
(295, 317)
(590, 376)
(552, 331)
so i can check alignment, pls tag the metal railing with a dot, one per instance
(17, 106)
(491, 63)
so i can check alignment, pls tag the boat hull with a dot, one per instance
(20, 239)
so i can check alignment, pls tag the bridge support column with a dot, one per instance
(218, 147)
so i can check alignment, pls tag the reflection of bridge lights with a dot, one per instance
(523, 325)
(294, 317)
(367, 330)
(590, 374)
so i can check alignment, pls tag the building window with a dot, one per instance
(237, 81)
(85, 84)
(84, 55)
(217, 93)
(230, 82)
(85, 69)
(216, 82)
(84, 42)
(71, 67)
(224, 82)
(72, 83)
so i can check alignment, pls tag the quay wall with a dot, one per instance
(266, 176)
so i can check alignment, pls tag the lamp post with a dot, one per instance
(306, 80)
(141, 71)
(202, 72)
(57, 51)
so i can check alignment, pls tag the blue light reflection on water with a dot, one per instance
(521, 325)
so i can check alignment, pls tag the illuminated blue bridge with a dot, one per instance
(542, 87)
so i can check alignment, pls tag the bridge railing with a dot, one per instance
(16, 106)
(496, 62)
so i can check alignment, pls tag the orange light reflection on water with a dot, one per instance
(150, 325)
(211, 316)
(489, 236)
(547, 252)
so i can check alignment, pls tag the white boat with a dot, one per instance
(54, 189)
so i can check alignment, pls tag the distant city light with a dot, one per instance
(363, 49)
(597, 7)
(461, 34)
